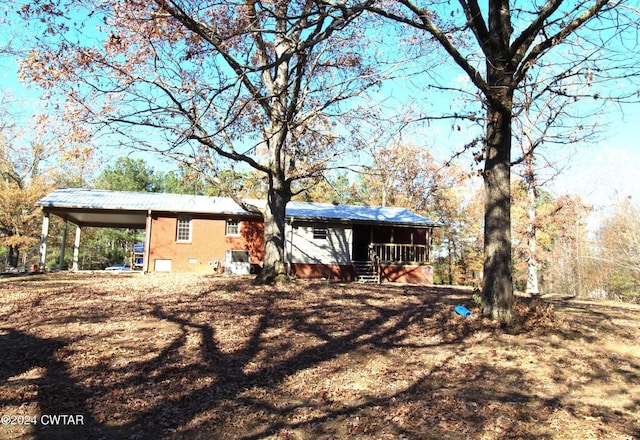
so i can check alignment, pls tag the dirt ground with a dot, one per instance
(131, 356)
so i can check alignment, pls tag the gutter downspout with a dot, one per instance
(290, 266)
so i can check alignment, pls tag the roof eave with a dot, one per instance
(333, 220)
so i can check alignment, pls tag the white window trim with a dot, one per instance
(226, 228)
(320, 232)
(184, 218)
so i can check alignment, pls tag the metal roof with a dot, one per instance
(139, 201)
(89, 207)
(356, 214)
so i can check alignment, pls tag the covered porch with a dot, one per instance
(383, 253)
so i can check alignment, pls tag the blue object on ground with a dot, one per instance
(462, 310)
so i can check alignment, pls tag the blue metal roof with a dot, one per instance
(358, 214)
(103, 200)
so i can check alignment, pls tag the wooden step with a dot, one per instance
(365, 271)
(368, 278)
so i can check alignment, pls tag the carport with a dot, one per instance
(87, 213)
(121, 209)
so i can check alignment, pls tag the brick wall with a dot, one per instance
(407, 274)
(208, 243)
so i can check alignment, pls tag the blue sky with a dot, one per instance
(601, 173)
(609, 171)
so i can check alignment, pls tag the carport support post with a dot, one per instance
(63, 246)
(43, 240)
(147, 242)
(76, 250)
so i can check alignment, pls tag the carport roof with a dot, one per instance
(88, 207)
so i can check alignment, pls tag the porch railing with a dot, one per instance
(400, 253)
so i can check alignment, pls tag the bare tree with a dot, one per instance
(498, 46)
(545, 120)
(245, 84)
(28, 168)
(619, 250)
(570, 272)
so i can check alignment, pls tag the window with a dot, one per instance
(183, 231)
(237, 256)
(319, 233)
(233, 227)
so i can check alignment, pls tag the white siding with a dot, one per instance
(301, 247)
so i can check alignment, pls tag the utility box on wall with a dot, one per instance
(162, 265)
(237, 262)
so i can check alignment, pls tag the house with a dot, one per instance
(187, 233)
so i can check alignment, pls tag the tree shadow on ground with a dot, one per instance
(31, 370)
(303, 361)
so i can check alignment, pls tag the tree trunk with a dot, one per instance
(273, 264)
(532, 199)
(13, 256)
(497, 290)
(450, 265)
(497, 287)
